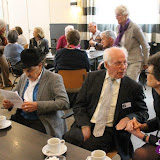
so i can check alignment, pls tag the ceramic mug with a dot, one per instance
(92, 49)
(97, 155)
(2, 120)
(54, 144)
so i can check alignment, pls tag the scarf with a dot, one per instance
(72, 46)
(121, 32)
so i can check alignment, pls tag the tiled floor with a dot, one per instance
(136, 142)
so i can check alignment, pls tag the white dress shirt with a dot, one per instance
(116, 85)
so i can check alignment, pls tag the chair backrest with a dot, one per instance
(73, 79)
(15, 73)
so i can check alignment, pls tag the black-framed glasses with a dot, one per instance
(146, 72)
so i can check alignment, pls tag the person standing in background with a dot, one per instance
(131, 36)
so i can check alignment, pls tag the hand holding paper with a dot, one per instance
(13, 97)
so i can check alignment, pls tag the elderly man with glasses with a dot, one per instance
(106, 102)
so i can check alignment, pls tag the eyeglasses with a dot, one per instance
(119, 64)
(146, 72)
(117, 15)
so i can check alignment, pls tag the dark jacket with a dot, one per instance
(130, 91)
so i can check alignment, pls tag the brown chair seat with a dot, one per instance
(73, 79)
(111, 154)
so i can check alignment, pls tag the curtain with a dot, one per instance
(87, 15)
(142, 12)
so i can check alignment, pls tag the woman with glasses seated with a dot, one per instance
(130, 36)
(150, 150)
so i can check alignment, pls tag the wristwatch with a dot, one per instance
(144, 138)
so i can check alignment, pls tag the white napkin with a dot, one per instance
(53, 158)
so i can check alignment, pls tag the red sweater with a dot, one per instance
(62, 42)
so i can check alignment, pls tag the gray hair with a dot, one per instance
(94, 24)
(68, 28)
(109, 51)
(12, 36)
(3, 24)
(122, 9)
(108, 33)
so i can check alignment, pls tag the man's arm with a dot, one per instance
(58, 97)
(138, 108)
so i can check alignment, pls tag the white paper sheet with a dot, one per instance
(13, 97)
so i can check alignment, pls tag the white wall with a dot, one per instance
(28, 14)
(62, 12)
(38, 13)
(1, 10)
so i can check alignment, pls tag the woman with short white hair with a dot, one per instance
(131, 36)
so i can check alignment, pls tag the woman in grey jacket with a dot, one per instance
(131, 37)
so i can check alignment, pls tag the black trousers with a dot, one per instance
(146, 152)
(105, 142)
(34, 124)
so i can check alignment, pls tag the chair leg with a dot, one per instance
(14, 82)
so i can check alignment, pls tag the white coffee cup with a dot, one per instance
(2, 120)
(54, 144)
(97, 155)
(92, 49)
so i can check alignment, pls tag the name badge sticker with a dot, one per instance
(126, 105)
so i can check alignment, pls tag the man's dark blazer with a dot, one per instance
(130, 91)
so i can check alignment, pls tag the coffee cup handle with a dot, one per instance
(63, 141)
(89, 158)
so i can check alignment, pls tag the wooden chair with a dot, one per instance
(112, 154)
(73, 80)
(26, 46)
(15, 73)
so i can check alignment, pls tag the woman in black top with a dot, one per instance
(71, 58)
(38, 41)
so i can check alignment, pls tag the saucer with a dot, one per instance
(107, 158)
(63, 149)
(92, 50)
(7, 124)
